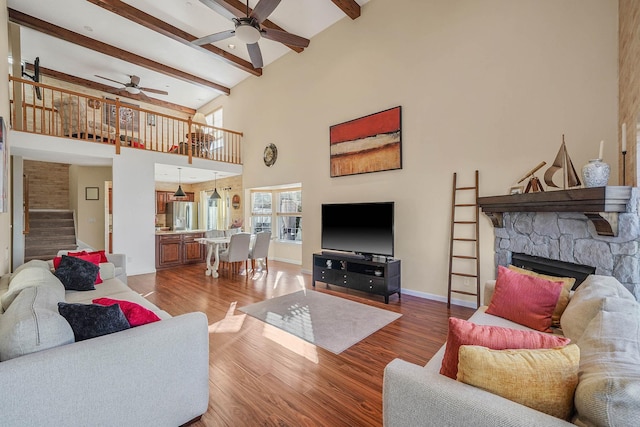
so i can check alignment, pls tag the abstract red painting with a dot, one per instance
(368, 144)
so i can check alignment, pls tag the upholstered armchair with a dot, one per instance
(78, 124)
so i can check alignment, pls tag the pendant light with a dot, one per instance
(215, 196)
(179, 192)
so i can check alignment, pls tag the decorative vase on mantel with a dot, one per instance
(596, 173)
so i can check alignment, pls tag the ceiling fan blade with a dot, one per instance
(151, 90)
(263, 9)
(284, 37)
(214, 37)
(223, 8)
(255, 55)
(135, 80)
(111, 80)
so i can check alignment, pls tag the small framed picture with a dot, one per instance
(516, 189)
(151, 119)
(91, 193)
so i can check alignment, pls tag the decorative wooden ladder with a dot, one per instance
(459, 246)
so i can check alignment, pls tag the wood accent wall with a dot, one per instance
(48, 184)
(629, 82)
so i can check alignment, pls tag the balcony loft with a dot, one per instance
(47, 110)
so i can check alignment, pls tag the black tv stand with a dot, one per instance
(349, 271)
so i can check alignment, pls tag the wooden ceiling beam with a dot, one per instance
(240, 6)
(151, 22)
(349, 7)
(68, 78)
(106, 49)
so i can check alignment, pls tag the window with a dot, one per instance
(290, 215)
(215, 119)
(286, 214)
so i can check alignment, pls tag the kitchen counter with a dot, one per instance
(160, 233)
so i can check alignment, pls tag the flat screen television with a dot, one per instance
(363, 228)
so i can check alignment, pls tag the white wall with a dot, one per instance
(489, 85)
(5, 218)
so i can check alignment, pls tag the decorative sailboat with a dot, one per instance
(563, 161)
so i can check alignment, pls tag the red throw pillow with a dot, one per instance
(524, 299)
(94, 258)
(135, 313)
(462, 332)
(103, 256)
(76, 253)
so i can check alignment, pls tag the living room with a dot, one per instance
(489, 86)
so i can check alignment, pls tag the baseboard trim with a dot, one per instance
(434, 297)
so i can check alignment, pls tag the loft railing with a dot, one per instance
(49, 110)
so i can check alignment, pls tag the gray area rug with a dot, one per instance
(332, 323)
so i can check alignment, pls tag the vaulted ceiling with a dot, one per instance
(78, 40)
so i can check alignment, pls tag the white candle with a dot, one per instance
(601, 148)
(624, 137)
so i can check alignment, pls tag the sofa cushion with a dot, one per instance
(29, 277)
(136, 314)
(609, 389)
(32, 323)
(542, 379)
(93, 320)
(77, 274)
(38, 263)
(525, 299)
(462, 332)
(107, 270)
(588, 300)
(563, 300)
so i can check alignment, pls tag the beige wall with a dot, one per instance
(629, 61)
(489, 85)
(48, 185)
(90, 214)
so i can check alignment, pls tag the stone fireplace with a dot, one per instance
(572, 237)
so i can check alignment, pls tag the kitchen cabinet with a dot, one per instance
(163, 197)
(175, 249)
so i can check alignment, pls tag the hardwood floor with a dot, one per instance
(261, 377)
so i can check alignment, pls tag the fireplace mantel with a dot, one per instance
(600, 204)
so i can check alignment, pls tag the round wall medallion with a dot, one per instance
(270, 154)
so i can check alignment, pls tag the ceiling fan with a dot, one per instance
(133, 87)
(248, 28)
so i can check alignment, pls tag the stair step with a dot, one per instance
(48, 222)
(50, 214)
(56, 231)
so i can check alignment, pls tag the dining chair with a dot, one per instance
(214, 233)
(260, 249)
(237, 251)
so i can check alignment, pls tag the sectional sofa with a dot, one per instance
(156, 374)
(602, 317)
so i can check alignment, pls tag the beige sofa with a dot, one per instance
(602, 318)
(155, 374)
(77, 122)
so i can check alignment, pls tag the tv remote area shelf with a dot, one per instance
(380, 278)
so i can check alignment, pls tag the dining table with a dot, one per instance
(213, 251)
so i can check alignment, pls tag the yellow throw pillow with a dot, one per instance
(563, 300)
(542, 379)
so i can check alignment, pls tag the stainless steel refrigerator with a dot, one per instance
(182, 215)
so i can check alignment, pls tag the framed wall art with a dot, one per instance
(92, 193)
(369, 144)
(129, 118)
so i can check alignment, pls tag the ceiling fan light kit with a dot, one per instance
(246, 32)
(248, 28)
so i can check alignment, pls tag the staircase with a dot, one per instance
(49, 232)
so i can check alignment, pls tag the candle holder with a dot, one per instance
(624, 167)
